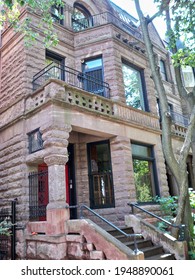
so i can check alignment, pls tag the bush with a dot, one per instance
(192, 198)
(5, 228)
(168, 205)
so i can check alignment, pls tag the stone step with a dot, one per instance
(114, 232)
(164, 256)
(144, 243)
(152, 250)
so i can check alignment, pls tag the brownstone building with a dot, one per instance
(78, 125)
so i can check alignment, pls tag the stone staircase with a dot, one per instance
(150, 250)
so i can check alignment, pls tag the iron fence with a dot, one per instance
(8, 242)
(38, 195)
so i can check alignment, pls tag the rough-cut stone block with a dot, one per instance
(96, 255)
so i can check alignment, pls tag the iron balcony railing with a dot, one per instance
(105, 18)
(181, 228)
(179, 118)
(72, 77)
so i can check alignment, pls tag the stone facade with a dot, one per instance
(65, 114)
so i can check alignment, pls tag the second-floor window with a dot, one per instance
(163, 70)
(54, 66)
(93, 73)
(134, 85)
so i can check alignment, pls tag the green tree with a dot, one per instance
(180, 20)
(10, 12)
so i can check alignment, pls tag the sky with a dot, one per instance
(148, 8)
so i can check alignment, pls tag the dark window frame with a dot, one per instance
(143, 82)
(87, 17)
(163, 70)
(152, 160)
(90, 174)
(55, 17)
(99, 85)
(56, 57)
(30, 140)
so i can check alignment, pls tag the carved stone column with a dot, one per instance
(56, 156)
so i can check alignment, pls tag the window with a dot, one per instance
(35, 141)
(57, 14)
(54, 66)
(144, 172)
(93, 76)
(100, 175)
(163, 70)
(38, 193)
(81, 18)
(134, 86)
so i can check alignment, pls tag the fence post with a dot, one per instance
(13, 229)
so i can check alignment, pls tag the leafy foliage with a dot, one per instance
(192, 198)
(5, 228)
(182, 29)
(10, 16)
(168, 205)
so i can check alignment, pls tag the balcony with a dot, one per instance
(180, 123)
(102, 19)
(72, 77)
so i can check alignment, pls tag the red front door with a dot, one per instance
(43, 195)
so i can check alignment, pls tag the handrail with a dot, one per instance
(181, 235)
(83, 206)
(105, 18)
(73, 77)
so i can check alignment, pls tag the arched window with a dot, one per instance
(81, 18)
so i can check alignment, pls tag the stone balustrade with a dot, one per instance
(55, 89)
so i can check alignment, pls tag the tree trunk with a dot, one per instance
(178, 165)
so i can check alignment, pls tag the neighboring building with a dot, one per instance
(79, 122)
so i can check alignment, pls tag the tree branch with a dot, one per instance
(166, 122)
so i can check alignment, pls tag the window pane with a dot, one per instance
(80, 18)
(93, 63)
(94, 76)
(56, 69)
(163, 70)
(101, 187)
(143, 151)
(133, 87)
(143, 180)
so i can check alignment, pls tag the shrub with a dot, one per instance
(5, 228)
(168, 205)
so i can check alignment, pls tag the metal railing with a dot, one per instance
(181, 228)
(179, 119)
(134, 235)
(38, 195)
(105, 18)
(72, 77)
(8, 243)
